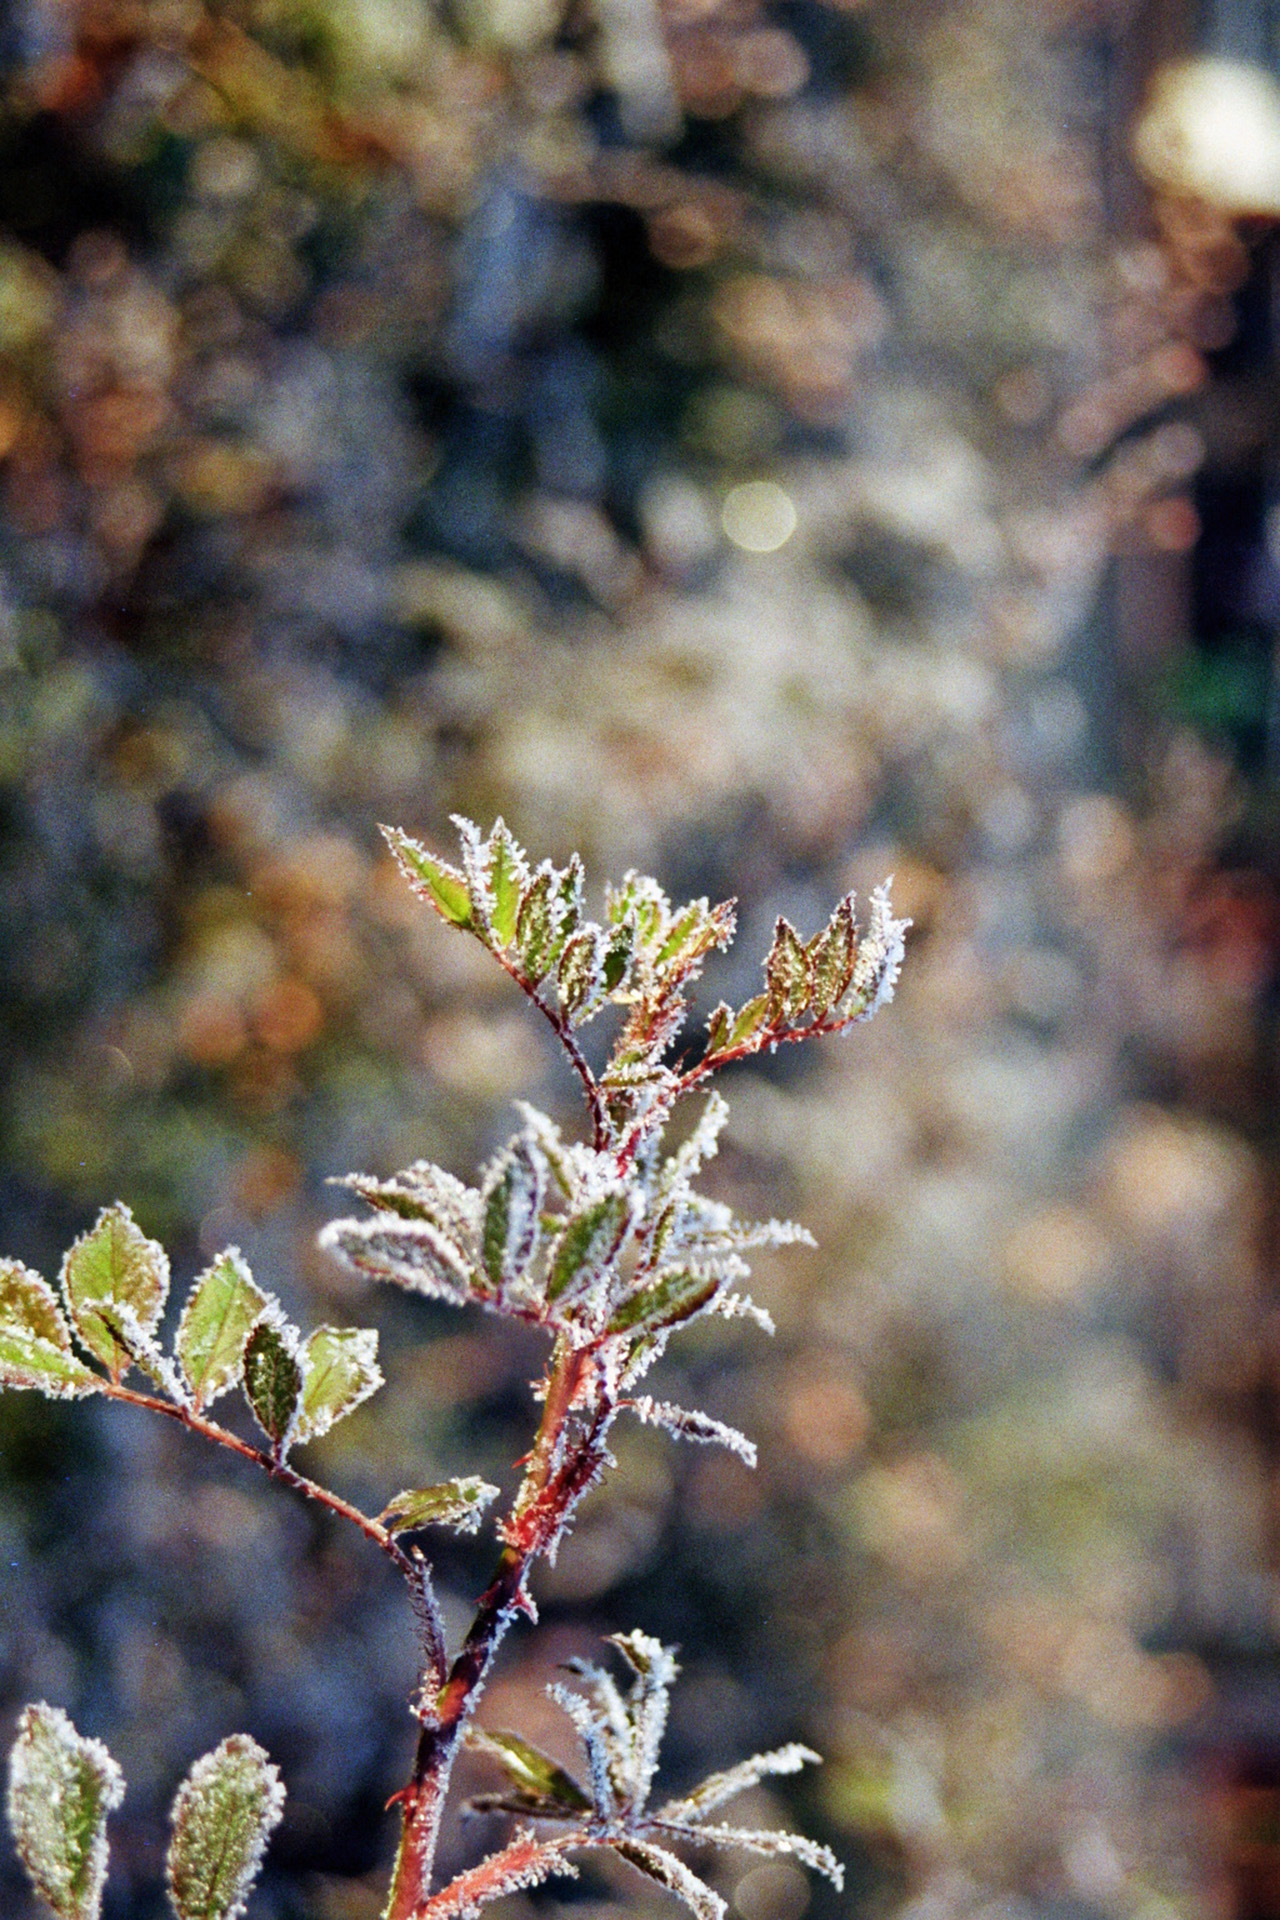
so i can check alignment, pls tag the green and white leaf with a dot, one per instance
(686, 1424)
(514, 1190)
(224, 1812)
(659, 1865)
(787, 974)
(222, 1309)
(588, 1243)
(114, 1265)
(35, 1341)
(61, 1789)
(431, 878)
(717, 1788)
(414, 1254)
(272, 1378)
(770, 1841)
(459, 1504)
(339, 1371)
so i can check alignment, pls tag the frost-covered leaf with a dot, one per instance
(541, 1783)
(538, 925)
(749, 1019)
(665, 1302)
(686, 1424)
(431, 878)
(524, 1862)
(223, 1814)
(61, 1789)
(339, 1370)
(589, 1241)
(879, 957)
(580, 974)
(412, 1253)
(772, 1842)
(222, 1310)
(831, 956)
(513, 1191)
(717, 1788)
(672, 1874)
(787, 973)
(654, 1669)
(506, 873)
(273, 1379)
(453, 1503)
(112, 1266)
(35, 1341)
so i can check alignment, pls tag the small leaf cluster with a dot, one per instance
(644, 957)
(62, 1786)
(620, 1730)
(113, 1287)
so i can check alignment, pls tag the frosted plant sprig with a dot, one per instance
(621, 1734)
(605, 1245)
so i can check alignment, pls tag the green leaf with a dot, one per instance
(222, 1310)
(513, 1202)
(61, 1789)
(273, 1380)
(454, 1503)
(580, 977)
(831, 956)
(339, 1370)
(665, 1302)
(536, 926)
(110, 1268)
(35, 1341)
(748, 1020)
(507, 873)
(787, 973)
(431, 878)
(618, 955)
(718, 1027)
(536, 1776)
(224, 1810)
(588, 1243)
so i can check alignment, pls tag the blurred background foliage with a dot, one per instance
(771, 442)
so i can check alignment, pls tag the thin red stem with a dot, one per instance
(278, 1469)
(564, 1034)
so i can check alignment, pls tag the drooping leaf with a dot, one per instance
(224, 1812)
(273, 1380)
(222, 1310)
(664, 1302)
(688, 1424)
(775, 1843)
(786, 970)
(588, 1243)
(541, 1782)
(114, 1265)
(412, 1253)
(431, 878)
(61, 1789)
(453, 1503)
(513, 1195)
(35, 1341)
(672, 1874)
(719, 1787)
(339, 1370)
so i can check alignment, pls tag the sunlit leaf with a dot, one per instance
(110, 1267)
(749, 1019)
(339, 1370)
(222, 1309)
(506, 874)
(61, 1789)
(831, 956)
(453, 1503)
(35, 1341)
(431, 878)
(224, 1811)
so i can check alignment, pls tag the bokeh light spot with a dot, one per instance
(758, 516)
